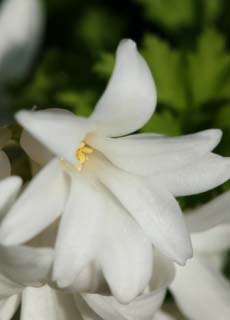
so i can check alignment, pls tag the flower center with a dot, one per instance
(82, 154)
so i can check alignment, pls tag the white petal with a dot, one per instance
(162, 316)
(144, 306)
(211, 214)
(205, 174)
(39, 205)
(125, 254)
(79, 234)
(86, 312)
(19, 41)
(4, 137)
(8, 307)
(8, 288)
(47, 304)
(9, 189)
(150, 154)
(213, 240)
(90, 279)
(58, 129)
(154, 208)
(130, 97)
(4, 165)
(35, 149)
(201, 292)
(24, 265)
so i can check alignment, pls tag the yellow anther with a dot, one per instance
(81, 154)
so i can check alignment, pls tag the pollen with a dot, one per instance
(82, 154)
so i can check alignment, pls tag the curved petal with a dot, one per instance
(9, 189)
(79, 234)
(201, 292)
(45, 303)
(144, 306)
(38, 206)
(125, 254)
(4, 137)
(130, 97)
(150, 154)
(207, 173)
(154, 208)
(213, 240)
(5, 168)
(24, 265)
(19, 42)
(58, 130)
(8, 307)
(35, 149)
(211, 214)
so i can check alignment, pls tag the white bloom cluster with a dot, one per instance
(98, 233)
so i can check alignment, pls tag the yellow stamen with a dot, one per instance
(81, 154)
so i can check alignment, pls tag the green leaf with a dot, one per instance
(163, 123)
(167, 68)
(170, 14)
(209, 69)
(104, 67)
(223, 117)
(80, 102)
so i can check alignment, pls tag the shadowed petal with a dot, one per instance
(8, 307)
(47, 304)
(201, 292)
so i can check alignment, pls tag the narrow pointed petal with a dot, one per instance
(79, 234)
(19, 41)
(4, 165)
(125, 255)
(8, 307)
(130, 97)
(201, 292)
(9, 189)
(45, 303)
(35, 149)
(39, 205)
(154, 208)
(142, 307)
(150, 154)
(211, 214)
(4, 137)
(24, 265)
(207, 173)
(58, 130)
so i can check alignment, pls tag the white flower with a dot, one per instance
(200, 290)
(116, 192)
(4, 161)
(24, 279)
(21, 25)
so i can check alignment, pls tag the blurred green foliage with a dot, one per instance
(183, 41)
